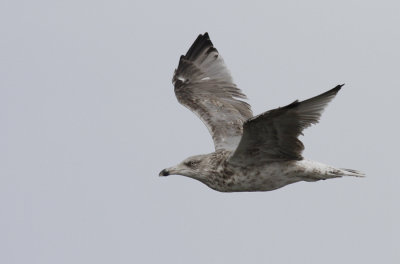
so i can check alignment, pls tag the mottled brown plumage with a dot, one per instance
(258, 153)
(204, 85)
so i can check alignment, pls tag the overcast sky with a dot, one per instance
(88, 118)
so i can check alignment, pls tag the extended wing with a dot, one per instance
(273, 135)
(204, 85)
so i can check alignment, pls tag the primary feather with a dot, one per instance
(260, 153)
(204, 85)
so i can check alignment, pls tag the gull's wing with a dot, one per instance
(272, 136)
(204, 85)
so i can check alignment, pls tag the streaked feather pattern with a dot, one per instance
(260, 153)
(204, 85)
(273, 135)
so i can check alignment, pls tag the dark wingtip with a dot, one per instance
(339, 86)
(202, 42)
(336, 89)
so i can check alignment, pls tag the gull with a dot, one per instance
(252, 153)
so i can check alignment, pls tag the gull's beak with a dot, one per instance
(164, 172)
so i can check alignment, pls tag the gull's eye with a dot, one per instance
(191, 164)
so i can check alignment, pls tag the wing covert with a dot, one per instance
(204, 85)
(273, 135)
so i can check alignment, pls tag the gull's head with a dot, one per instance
(191, 167)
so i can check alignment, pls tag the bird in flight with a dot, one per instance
(252, 153)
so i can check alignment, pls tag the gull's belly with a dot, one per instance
(268, 178)
(271, 176)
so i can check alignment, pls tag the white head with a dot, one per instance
(192, 167)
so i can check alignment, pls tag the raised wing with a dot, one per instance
(204, 85)
(272, 136)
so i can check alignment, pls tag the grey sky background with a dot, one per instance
(88, 118)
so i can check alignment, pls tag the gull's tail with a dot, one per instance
(315, 171)
(349, 172)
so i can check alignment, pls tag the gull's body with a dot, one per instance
(260, 153)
